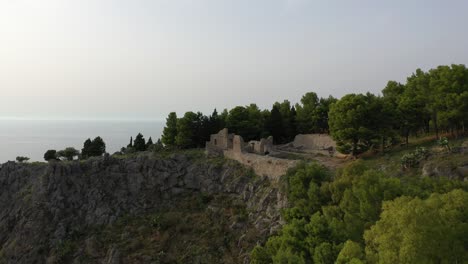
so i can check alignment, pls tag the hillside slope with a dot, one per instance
(179, 209)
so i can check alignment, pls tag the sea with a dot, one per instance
(32, 138)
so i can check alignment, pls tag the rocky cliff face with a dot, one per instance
(84, 212)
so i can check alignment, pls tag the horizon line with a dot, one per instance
(12, 118)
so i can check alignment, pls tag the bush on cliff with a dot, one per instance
(328, 219)
(50, 154)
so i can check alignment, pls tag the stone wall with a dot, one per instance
(261, 147)
(314, 141)
(219, 142)
(238, 144)
(271, 167)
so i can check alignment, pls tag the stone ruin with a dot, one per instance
(220, 142)
(254, 154)
(312, 143)
(223, 141)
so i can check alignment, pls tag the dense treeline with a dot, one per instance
(429, 102)
(282, 122)
(364, 216)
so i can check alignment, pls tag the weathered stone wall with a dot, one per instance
(219, 142)
(262, 147)
(271, 167)
(238, 144)
(314, 141)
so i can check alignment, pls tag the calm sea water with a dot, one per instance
(32, 138)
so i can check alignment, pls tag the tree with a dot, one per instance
(139, 144)
(411, 230)
(149, 143)
(246, 121)
(354, 120)
(94, 148)
(406, 108)
(98, 147)
(50, 154)
(321, 112)
(68, 153)
(22, 159)
(306, 113)
(351, 251)
(419, 90)
(216, 123)
(202, 130)
(170, 131)
(130, 145)
(275, 125)
(187, 130)
(158, 146)
(85, 151)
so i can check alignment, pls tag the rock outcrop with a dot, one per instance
(44, 205)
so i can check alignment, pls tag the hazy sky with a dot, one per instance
(145, 58)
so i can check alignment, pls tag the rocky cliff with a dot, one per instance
(176, 209)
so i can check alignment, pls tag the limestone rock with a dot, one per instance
(44, 206)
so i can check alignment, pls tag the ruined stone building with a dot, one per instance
(253, 154)
(223, 141)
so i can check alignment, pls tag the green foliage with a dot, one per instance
(329, 216)
(170, 131)
(22, 159)
(412, 230)
(246, 121)
(68, 154)
(157, 147)
(412, 159)
(351, 251)
(139, 144)
(187, 129)
(275, 125)
(312, 113)
(443, 141)
(94, 148)
(355, 120)
(50, 154)
(149, 143)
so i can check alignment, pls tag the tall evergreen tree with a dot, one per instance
(170, 131)
(275, 125)
(186, 131)
(139, 144)
(306, 113)
(149, 143)
(97, 148)
(85, 151)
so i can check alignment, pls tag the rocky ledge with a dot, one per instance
(44, 206)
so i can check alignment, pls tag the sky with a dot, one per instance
(141, 59)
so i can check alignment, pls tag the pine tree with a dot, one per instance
(170, 131)
(275, 125)
(149, 143)
(85, 151)
(139, 144)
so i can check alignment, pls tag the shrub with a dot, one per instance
(443, 141)
(68, 153)
(412, 159)
(22, 159)
(51, 154)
